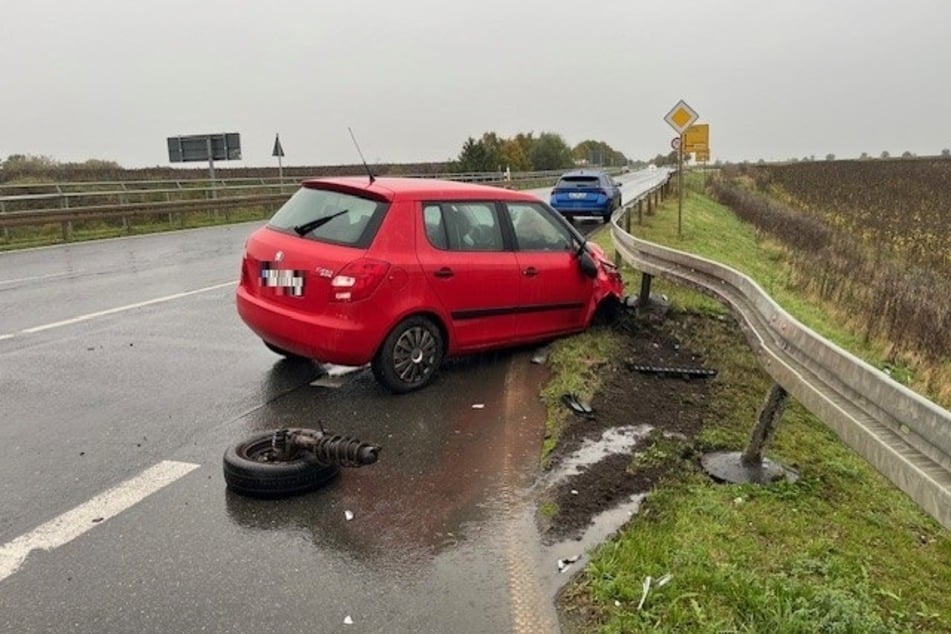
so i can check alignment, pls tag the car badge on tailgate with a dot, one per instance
(284, 281)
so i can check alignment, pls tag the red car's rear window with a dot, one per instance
(327, 215)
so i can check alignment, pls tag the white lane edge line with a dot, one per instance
(117, 309)
(71, 524)
(47, 276)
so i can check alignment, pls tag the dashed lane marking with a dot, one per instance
(72, 524)
(112, 311)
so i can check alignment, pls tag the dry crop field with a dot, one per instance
(901, 205)
(872, 237)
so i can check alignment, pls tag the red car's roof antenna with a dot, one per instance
(365, 166)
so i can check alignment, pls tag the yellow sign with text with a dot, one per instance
(697, 138)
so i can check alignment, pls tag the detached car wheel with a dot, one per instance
(252, 468)
(410, 355)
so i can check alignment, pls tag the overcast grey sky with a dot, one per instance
(111, 79)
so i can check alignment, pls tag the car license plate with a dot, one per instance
(284, 281)
(577, 195)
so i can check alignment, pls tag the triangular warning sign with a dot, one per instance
(278, 150)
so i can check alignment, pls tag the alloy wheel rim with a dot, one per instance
(414, 354)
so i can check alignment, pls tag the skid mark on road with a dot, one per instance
(72, 524)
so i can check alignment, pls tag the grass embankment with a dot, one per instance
(840, 550)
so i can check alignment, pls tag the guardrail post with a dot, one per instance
(750, 466)
(67, 225)
(650, 205)
(6, 230)
(769, 416)
(645, 296)
(640, 212)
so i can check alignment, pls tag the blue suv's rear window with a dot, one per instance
(569, 182)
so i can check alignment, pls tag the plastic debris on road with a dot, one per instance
(347, 620)
(540, 356)
(478, 406)
(564, 564)
(348, 515)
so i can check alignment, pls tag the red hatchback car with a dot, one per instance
(402, 273)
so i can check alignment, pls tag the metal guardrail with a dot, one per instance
(66, 203)
(21, 196)
(66, 217)
(903, 435)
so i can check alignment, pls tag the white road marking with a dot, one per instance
(72, 524)
(112, 311)
(37, 277)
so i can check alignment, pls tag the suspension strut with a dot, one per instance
(326, 448)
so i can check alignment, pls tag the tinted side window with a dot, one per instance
(435, 228)
(469, 226)
(537, 230)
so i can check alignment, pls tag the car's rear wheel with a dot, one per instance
(410, 355)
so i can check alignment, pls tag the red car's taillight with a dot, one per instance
(358, 280)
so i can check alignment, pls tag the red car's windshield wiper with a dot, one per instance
(307, 227)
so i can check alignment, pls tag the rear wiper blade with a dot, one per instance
(307, 227)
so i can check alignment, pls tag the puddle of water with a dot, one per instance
(613, 440)
(603, 527)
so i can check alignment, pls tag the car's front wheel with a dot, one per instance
(254, 468)
(410, 355)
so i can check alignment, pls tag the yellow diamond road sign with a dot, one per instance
(681, 116)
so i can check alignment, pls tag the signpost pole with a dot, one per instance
(680, 187)
(211, 170)
(680, 117)
(278, 151)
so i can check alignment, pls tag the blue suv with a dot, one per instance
(586, 193)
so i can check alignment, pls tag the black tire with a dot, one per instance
(607, 311)
(410, 355)
(249, 472)
(282, 351)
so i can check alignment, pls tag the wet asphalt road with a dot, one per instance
(120, 355)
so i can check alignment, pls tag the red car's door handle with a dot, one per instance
(530, 272)
(444, 272)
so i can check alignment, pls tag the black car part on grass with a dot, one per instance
(577, 406)
(287, 462)
(665, 371)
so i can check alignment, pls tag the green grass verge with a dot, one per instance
(840, 550)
